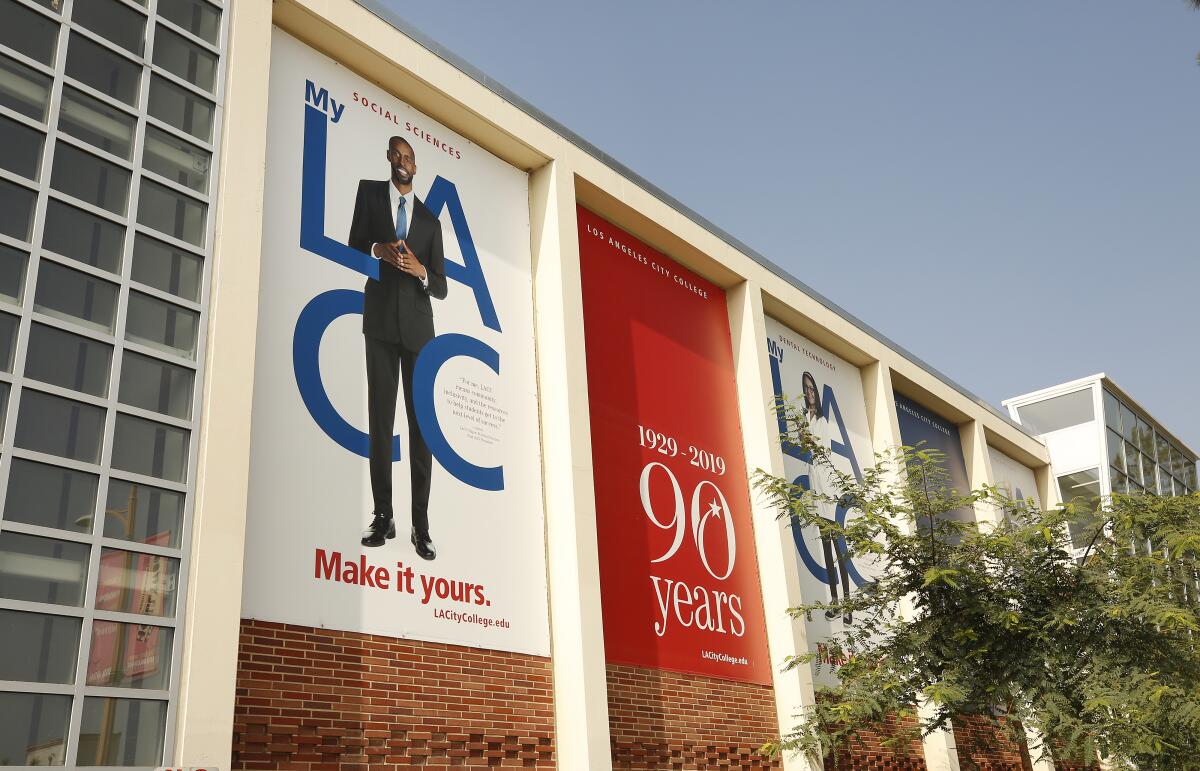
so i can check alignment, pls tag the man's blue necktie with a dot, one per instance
(401, 224)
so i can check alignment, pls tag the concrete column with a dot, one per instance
(580, 686)
(1047, 487)
(208, 662)
(980, 473)
(940, 751)
(777, 566)
(979, 469)
(1034, 740)
(976, 455)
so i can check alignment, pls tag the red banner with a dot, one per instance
(678, 575)
(142, 648)
(132, 648)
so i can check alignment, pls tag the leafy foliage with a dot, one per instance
(1094, 649)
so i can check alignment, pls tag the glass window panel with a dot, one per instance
(1147, 471)
(16, 210)
(1177, 461)
(1119, 482)
(46, 570)
(41, 494)
(1166, 485)
(1082, 487)
(58, 426)
(1133, 467)
(1082, 490)
(103, 70)
(1144, 437)
(167, 267)
(28, 31)
(1112, 412)
(1116, 450)
(82, 236)
(114, 22)
(196, 16)
(68, 360)
(180, 57)
(1150, 483)
(1057, 412)
(8, 340)
(131, 582)
(35, 729)
(172, 213)
(1162, 446)
(153, 449)
(1128, 423)
(175, 159)
(129, 655)
(157, 514)
(23, 89)
(38, 648)
(156, 385)
(122, 732)
(1189, 474)
(4, 389)
(12, 273)
(70, 294)
(90, 179)
(161, 324)
(180, 108)
(20, 148)
(96, 123)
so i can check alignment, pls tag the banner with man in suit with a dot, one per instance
(395, 465)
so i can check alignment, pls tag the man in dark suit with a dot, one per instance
(392, 224)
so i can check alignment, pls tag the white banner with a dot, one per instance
(472, 389)
(1015, 479)
(829, 390)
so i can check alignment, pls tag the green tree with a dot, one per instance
(1094, 649)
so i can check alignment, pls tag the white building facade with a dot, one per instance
(1101, 441)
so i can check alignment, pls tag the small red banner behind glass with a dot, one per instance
(678, 576)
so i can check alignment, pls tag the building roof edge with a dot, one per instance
(380, 10)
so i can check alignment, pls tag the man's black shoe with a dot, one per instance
(424, 545)
(381, 528)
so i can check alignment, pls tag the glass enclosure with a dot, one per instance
(1140, 457)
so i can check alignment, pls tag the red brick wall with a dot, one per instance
(662, 721)
(867, 752)
(322, 700)
(982, 745)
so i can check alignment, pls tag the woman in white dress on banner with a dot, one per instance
(818, 426)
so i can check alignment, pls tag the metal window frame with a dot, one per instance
(24, 309)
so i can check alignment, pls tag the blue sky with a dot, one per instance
(1009, 190)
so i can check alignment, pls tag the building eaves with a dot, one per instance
(379, 9)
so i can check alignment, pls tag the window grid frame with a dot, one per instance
(1155, 436)
(29, 123)
(24, 310)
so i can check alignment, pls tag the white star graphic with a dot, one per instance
(714, 509)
